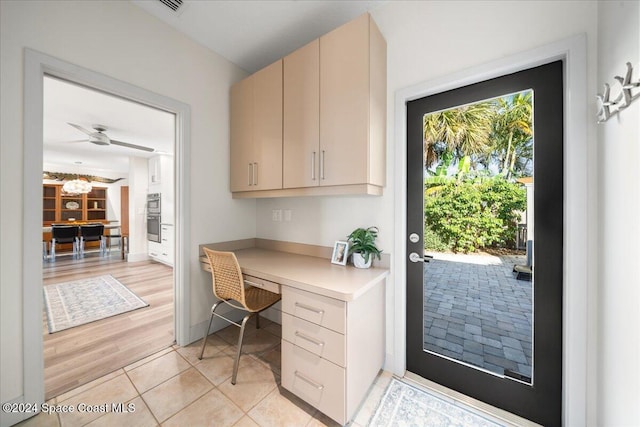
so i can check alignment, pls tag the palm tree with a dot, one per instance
(512, 133)
(457, 132)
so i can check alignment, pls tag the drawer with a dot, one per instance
(314, 380)
(324, 311)
(320, 341)
(261, 283)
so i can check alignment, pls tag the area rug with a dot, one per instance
(405, 405)
(83, 301)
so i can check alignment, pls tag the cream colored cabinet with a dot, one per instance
(256, 131)
(332, 350)
(334, 117)
(334, 110)
(301, 141)
(353, 104)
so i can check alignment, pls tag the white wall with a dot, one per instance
(619, 229)
(122, 41)
(425, 41)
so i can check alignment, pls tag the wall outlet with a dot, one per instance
(287, 215)
(276, 215)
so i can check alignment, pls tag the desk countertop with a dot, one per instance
(308, 273)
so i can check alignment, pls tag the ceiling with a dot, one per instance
(126, 121)
(249, 33)
(254, 33)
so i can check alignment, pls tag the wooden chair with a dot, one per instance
(229, 288)
(93, 233)
(64, 234)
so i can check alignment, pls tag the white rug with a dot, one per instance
(405, 405)
(83, 301)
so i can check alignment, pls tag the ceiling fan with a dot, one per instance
(100, 138)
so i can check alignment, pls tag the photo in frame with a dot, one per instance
(340, 252)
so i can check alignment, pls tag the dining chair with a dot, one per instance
(62, 234)
(93, 233)
(229, 288)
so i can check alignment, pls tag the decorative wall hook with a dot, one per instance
(607, 107)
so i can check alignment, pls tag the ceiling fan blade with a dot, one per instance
(129, 145)
(80, 128)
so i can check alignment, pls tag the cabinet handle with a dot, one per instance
(308, 307)
(308, 380)
(307, 338)
(322, 165)
(255, 174)
(313, 166)
(250, 175)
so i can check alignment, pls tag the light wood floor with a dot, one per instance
(75, 356)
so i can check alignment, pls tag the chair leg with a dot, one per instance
(52, 253)
(236, 363)
(206, 334)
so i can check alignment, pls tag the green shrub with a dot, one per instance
(433, 242)
(473, 214)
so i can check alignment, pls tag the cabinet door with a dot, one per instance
(267, 128)
(301, 139)
(241, 135)
(344, 103)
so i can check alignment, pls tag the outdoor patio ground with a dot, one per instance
(475, 311)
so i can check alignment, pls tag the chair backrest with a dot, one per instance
(226, 275)
(64, 233)
(92, 231)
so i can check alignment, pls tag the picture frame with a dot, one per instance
(340, 252)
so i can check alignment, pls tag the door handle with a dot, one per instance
(322, 165)
(313, 166)
(250, 175)
(414, 257)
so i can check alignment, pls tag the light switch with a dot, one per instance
(287, 215)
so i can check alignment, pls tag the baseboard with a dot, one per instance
(9, 418)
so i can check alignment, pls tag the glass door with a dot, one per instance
(485, 224)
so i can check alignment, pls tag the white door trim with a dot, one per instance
(36, 65)
(573, 52)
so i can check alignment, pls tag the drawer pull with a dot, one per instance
(311, 340)
(308, 381)
(307, 307)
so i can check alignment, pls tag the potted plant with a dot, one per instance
(363, 247)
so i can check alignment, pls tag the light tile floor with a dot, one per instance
(174, 388)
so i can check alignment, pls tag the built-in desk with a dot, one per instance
(332, 326)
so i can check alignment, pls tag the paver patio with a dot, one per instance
(475, 311)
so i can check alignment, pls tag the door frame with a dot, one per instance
(36, 65)
(573, 52)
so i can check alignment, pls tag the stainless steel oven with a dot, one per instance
(153, 217)
(153, 203)
(153, 228)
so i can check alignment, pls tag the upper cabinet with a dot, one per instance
(353, 104)
(331, 119)
(301, 145)
(256, 131)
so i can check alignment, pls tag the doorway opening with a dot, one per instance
(87, 339)
(37, 65)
